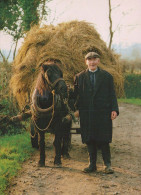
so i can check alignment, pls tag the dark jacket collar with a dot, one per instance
(99, 79)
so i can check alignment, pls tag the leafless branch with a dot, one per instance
(110, 28)
(9, 52)
(3, 57)
(115, 7)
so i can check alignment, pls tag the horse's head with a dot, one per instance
(50, 79)
(54, 78)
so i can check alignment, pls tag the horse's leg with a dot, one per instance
(66, 141)
(42, 148)
(66, 146)
(57, 146)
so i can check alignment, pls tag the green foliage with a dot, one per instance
(132, 86)
(17, 16)
(11, 156)
(30, 16)
(10, 18)
(135, 101)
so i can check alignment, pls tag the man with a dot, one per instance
(97, 105)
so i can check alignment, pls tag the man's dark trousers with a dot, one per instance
(105, 149)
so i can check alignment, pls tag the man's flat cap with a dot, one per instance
(92, 55)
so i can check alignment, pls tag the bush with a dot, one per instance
(132, 85)
(8, 107)
(6, 112)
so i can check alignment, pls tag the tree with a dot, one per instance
(10, 18)
(111, 30)
(17, 16)
(111, 23)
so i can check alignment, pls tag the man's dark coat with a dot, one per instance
(95, 105)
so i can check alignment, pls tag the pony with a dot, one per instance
(49, 110)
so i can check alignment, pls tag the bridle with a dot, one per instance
(50, 84)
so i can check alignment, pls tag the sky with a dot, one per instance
(126, 16)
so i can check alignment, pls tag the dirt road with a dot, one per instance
(70, 180)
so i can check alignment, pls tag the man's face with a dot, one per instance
(92, 63)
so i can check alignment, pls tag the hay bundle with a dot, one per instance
(67, 42)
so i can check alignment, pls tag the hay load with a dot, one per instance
(66, 42)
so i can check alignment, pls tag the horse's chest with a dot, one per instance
(44, 101)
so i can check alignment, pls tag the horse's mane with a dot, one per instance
(41, 84)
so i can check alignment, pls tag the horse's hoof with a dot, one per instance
(57, 162)
(58, 165)
(41, 164)
(66, 156)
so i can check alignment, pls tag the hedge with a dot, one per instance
(132, 85)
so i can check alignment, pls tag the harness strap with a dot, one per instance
(56, 81)
(53, 105)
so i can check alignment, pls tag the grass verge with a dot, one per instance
(135, 101)
(14, 150)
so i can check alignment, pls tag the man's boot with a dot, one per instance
(92, 166)
(106, 154)
(108, 169)
(92, 150)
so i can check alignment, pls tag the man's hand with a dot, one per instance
(113, 115)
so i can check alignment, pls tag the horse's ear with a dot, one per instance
(44, 67)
